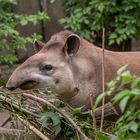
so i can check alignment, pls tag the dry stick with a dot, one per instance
(103, 78)
(61, 112)
(15, 105)
(15, 132)
(32, 128)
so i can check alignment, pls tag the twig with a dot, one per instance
(11, 131)
(15, 105)
(103, 78)
(32, 128)
(61, 112)
(110, 135)
(78, 135)
(27, 91)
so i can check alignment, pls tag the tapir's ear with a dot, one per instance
(72, 44)
(38, 45)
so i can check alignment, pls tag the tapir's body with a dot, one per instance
(71, 67)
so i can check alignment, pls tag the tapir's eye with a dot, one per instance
(47, 67)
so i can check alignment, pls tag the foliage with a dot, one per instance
(51, 119)
(59, 125)
(120, 18)
(10, 37)
(126, 88)
(123, 91)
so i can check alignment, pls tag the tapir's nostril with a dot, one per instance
(11, 88)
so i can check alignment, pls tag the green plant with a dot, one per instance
(10, 38)
(55, 118)
(123, 90)
(126, 88)
(120, 18)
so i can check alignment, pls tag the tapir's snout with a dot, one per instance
(11, 84)
(21, 79)
(25, 85)
(10, 87)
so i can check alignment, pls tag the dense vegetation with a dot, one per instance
(127, 95)
(10, 37)
(126, 88)
(120, 18)
(57, 119)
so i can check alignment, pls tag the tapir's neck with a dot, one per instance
(87, 70)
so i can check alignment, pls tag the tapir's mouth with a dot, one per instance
(30, 84)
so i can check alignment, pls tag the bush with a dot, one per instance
(123, 90)
(120, 18)
(127, 95)
(10, 38)
(55, 118)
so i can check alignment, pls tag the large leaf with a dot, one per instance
(136, 83)
(121, 95)
(99, 98)
(134, 126)
(51, 119)
(123, 103)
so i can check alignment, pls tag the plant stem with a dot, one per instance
(103, 78)
(93, 114)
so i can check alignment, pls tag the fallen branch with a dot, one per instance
(109, 110)
(16, 105)
(11, 131)
(58, 110)
(33, 129)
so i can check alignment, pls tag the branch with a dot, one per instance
(33, 129)
(11, 131)
(15, 105)
(61, 112)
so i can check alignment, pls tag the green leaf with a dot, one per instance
(135, 92)
(57, 129)
(24, 22)
(77, 111)
(134, 126)
(126, 77)
(113, 36)
(136, 83)
(99, 98)
(119, 96)
(51, 119)
(123, 103)
(111, 42)
(102, 136)
(121, 70)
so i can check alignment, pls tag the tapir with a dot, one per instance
(71, 67)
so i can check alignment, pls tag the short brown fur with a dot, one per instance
(82, 70)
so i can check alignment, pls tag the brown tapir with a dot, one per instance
(71, 67)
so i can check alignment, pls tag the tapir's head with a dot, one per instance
(50, 67)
